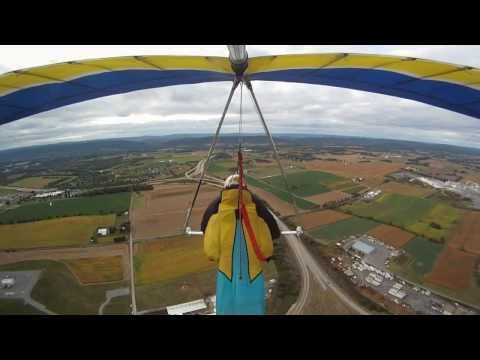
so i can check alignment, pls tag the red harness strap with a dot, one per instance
(244, 213)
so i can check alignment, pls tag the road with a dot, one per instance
(130, 251)
(309, 267)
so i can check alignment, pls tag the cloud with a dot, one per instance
(287, 107)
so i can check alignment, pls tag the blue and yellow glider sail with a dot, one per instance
(31, 91)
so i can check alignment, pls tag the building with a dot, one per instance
(103, 231)
(397, 293)
(7, 283)
(190, 308)
(361, 248)
(49, 194)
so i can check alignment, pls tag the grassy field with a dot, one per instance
(17, 307)
(306, 183)
(75, 230)
(281, 194)
(97, 269)
(35, 182)
(411, 213)
(341, 229)
(183, 289)
(90, 205)
(118, 306)
(423, 254)
(59, 290)
(4, 192)
(169, 258)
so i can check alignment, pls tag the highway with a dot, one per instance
(308, 267)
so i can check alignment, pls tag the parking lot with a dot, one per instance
(366, 262)
(24, 283)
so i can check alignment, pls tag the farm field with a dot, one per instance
(307, 183)
(315, 219)
(282, 207)
(281, 194)
(467, 234)
(36, 182)
(341, 229)
(423, 253)
(454, 269)
(75, 230)
(323, 198)
(169, 258)
(59, 290)
(371, 170)
(4, 192)
(161, 212)
(118, 306)
(91, 205)
(97, 270)
(411, 213)
(391, 235)
(406, 189)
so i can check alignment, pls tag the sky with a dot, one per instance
(288, 108)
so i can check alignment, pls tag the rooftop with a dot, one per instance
(362, 247)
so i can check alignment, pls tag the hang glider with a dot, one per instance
(35, 90)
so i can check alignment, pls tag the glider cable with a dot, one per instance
(275, 151)
(210, 152)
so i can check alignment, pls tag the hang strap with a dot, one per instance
(244, 214)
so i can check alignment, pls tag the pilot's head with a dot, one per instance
(232, 181)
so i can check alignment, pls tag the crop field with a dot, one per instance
(454, 269)
(406, 189)
(90, 205)
(161, 212)
(321, 199)
(306, 183)
(281, 194)
(17, 307)
(97, 270)
(391, 235)
(4, 191)
(319, 218)
(467, 233)
(411, 213)
(35, 182)
(423, 253)
(342, 229)
(169, 258)
(59, 290)
(351, 168)
(75, 230)
(282, 207)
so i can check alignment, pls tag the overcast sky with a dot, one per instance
(288, 108)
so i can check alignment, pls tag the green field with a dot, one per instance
(409, 212)
(423, 253)
(75, 230)
(36, 182)
(281, 194)
(4, 192)
(118, 306)
(330, 233)
(91, 205)
(306, 183)
(17, 307)
(60, 292)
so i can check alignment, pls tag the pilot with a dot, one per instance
(239, 256)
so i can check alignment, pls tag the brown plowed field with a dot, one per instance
(350, 169)
(321, 199)
(164, 208)
(97, 270)
(453, 269)
(391, 235)
(467, 233)
(319, 218)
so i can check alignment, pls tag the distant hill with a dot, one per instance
(186, 142)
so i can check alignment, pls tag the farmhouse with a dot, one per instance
(361, 248)
(103, 231)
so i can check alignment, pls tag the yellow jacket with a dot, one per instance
(220, 234)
